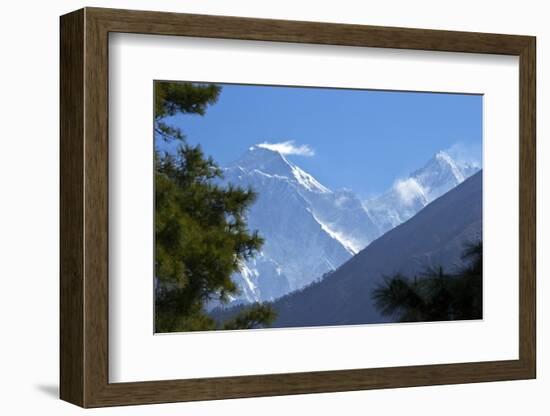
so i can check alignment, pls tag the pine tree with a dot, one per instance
(201, 233)
(435, 295)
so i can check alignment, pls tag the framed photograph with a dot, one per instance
(255, 207)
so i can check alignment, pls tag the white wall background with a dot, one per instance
(29, 85)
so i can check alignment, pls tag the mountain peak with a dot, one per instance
(258, 149)
(441, 173)
(266, 160)
(442, 164)
(272, 162)
(442, 155)
(262, 149)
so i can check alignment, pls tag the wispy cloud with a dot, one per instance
(289, 148)
(409, 190)
(466, 153)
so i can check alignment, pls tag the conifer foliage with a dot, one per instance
(435, 295)
(201, 233)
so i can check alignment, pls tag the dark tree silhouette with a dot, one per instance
(435, 295)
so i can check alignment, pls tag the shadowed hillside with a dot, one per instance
(432, 238)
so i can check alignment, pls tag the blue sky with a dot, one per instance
(358, 139)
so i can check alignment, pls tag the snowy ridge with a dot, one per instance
(308, 181)
(457, 172)
(409, 195)
(309, 229)
(350, 246)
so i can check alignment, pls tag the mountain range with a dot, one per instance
(311, 230)
(409, 195)
(435, 237)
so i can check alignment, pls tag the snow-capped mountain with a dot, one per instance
(408, 196)
(435, 237)
(308, 228)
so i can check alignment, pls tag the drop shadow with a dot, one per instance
(51, 390)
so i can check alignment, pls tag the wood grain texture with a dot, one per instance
(96, 221)
(71, 208)
(84, 207)
(225, 27)
(528, 208)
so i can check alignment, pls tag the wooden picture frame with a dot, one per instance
(84, 207)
